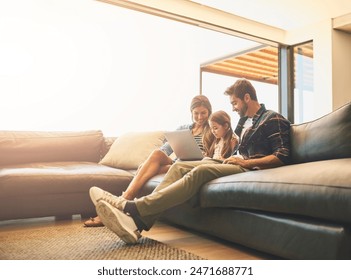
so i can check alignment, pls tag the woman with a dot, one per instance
(159, 160)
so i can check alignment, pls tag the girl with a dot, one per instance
(226, 140)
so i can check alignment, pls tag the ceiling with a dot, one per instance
(284, 14)
(258, 64)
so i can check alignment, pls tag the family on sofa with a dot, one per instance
(264, 144)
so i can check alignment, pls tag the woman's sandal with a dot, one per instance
(92, 222)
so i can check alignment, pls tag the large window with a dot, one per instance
(90, 65)
(75, 65)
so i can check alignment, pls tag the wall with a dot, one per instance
(332, 64)
(322, 47)
(341, 68)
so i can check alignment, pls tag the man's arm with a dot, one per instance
(270, 161)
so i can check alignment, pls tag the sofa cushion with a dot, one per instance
(59, 177)
(55, 188)
(131, 149)
(319, 189)
(17, 147)
(328, 137)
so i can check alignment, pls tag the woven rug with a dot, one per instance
(75, 242)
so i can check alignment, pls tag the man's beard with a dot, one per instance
(242, 112)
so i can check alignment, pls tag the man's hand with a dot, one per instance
(270, 161)
(235, 161)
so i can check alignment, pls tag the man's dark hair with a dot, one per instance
(240, 88)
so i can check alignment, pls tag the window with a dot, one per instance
(303, 83)
(258, 64)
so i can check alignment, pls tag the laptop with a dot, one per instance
(184, 145)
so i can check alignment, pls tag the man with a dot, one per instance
(264, 144)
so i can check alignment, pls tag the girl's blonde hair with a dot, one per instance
(222, 118)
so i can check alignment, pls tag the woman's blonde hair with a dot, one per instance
(207, 136)
(222, 118)
(201, 100)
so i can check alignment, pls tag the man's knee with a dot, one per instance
(214, 170)
(201, 168)
(179, 164)
(181, 168)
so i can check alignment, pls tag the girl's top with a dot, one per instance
(218, 149)
(217, 154)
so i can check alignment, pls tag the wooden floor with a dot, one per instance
(202, 245)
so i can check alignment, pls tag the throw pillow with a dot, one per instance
(131, 149)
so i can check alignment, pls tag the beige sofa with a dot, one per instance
(50, 173)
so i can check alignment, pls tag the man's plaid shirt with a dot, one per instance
(269, 135)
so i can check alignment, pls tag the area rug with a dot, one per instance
(74, 242)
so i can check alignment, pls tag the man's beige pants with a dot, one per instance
(183, 180)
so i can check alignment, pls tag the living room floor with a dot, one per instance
(202, 245)
(205, 246)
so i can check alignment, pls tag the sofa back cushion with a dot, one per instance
(18, 147)
(131, 149)
(328, 137)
